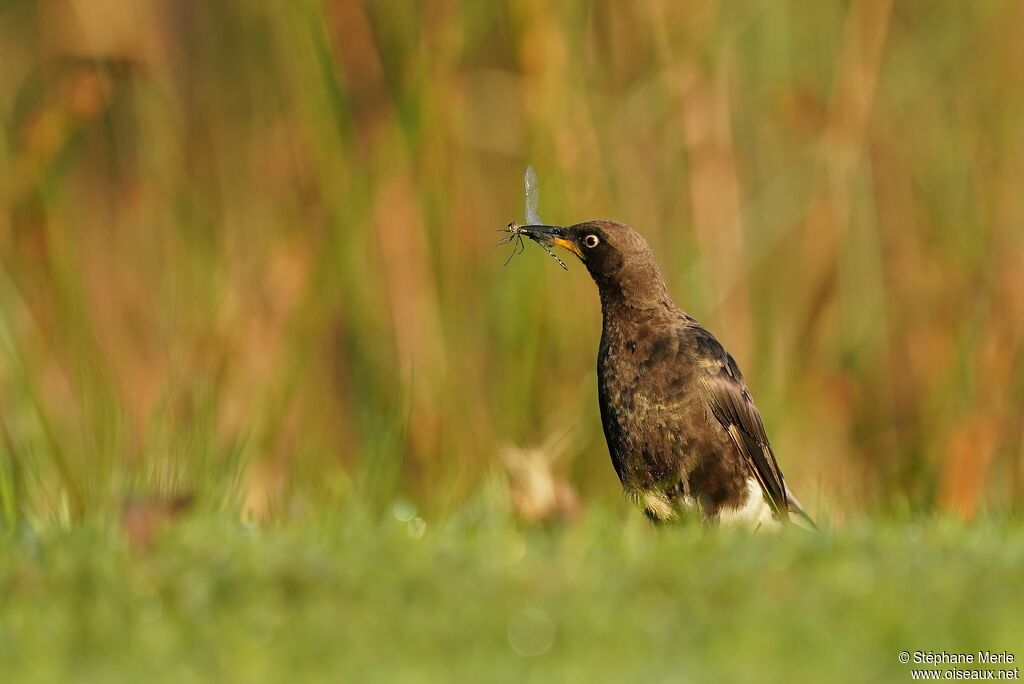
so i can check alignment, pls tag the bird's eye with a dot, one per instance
(591, 241)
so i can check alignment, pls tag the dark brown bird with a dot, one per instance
(683, 432)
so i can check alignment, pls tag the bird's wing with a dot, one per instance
(732, 406)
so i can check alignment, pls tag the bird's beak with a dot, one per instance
(552, 235)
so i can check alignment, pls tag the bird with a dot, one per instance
(684, 435)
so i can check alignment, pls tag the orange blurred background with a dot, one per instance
(247, 249)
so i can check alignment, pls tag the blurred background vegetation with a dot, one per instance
(247, 249)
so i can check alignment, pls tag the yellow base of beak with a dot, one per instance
(568, 244)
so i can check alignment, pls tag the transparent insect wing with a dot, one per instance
(532, 193)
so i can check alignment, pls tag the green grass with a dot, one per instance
(476, 599)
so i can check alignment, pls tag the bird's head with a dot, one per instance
(618, 258)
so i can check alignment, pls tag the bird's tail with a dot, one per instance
(798, 516)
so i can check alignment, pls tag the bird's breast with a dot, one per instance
(645, 427)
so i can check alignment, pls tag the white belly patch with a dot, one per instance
(755, 512)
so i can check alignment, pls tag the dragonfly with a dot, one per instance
(531, 194)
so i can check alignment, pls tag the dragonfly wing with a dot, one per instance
(532, 193)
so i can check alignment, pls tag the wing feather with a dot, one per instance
(734, 409)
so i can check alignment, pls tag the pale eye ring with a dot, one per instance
(591, 241)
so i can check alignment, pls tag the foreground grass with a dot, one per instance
(478, 599)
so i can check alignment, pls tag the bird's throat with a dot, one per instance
(627, 297)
